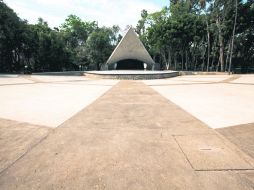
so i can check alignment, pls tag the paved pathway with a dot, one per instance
(130, 138)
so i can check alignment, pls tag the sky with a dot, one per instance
(106, 12)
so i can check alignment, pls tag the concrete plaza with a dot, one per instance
(72, 132)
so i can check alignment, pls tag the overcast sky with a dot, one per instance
(106, 12)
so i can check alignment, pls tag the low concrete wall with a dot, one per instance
(129, 76)
(133, 76)
(66, 73)
(201, 73)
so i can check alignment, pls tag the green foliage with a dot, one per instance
(76, 31)
(196, 34)
(11, 31)
(100, 45)
(187, 35)
(40, 48)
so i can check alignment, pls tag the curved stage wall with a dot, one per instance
(131, 75)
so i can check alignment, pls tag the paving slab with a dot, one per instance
(241, 135)
(122, 141)
(224, 180)
(46, 78)
(102, 159)
(188, 80)
(217, 104)
(209, 152)
(249, 175)
(49, 104)
(139, 107)
(13, 80)
(245, 79)
(16, 139)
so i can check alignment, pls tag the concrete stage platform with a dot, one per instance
(132, 75)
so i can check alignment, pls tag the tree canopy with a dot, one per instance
(75, 45)
(202, 35)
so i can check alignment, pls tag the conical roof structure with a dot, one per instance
(130, 47)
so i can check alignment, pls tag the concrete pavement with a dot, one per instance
(47, 100)
(219, 101)
(129, 138)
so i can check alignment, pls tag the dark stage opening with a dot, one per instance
(130, 64)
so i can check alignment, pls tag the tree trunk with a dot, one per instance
(228, 54)
(195, 64)
(160, 59)
(233, 37)
(212, 65)
(182, 59)
(169, 62)
(214, 54)
(208, 46)
(221, 44)
(186, 60)
(98, 66)
(203, 63)
(164, 59)
(175, 59)
(217, 67)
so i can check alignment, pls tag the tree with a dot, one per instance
(100, 44)
(181, 36)
(10, 41)
(75, 33)
(233, 36)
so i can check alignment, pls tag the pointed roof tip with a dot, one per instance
(130, 28)
(130, 47)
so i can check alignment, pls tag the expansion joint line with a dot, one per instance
(183, 152)
(27, 151)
